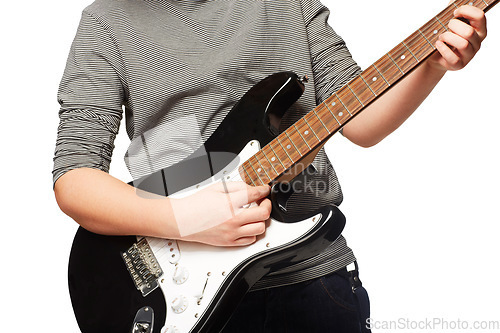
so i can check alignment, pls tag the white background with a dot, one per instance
(421, 206)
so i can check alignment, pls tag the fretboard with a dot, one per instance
(317, 126)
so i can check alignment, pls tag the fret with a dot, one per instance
(255, 171)
(395, 63)
(305, 120)
(375, 82)
(439, 21)
(445, 16)
(413, 55)
(387, 69)
(404, 59)
(289, 138)
(305, 150)
(284, 158)
(318, 128)
(307, 133)
(419, 46)
(368, 85)
(426, 39)
(253, 174)
(266, 163)
(246, 177)
(464, 2)
(337, 109)
(342, 103)
(268, 177)
(322, 123)
(333, 115)
(361, 90)
(362, 104)
(388, 84)
(326, 117)
(481, 4)
(432, 30)
(287, 150)
(304, 140)
(275, 161)
(259, 169)
(348, 100)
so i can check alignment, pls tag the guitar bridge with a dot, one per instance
(143, 267)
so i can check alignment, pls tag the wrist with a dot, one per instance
(433, 67)
(161, 219)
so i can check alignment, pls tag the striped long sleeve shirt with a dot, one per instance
(175, 68)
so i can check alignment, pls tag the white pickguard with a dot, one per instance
(206, 267)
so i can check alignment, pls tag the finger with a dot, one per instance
(460, 46)
(266, 205)
(254, 213)
(244, 241)
(449, 59)
(247, 196)
(251, 229)
(237, 193)
(466, 32)
(476, 18)
(256, 193)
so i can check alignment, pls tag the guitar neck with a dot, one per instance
(317, 126)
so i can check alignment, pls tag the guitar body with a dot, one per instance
(103, 294)
(133, 284)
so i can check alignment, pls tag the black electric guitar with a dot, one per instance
(142, 284)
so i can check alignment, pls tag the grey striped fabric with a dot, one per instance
(163, 60)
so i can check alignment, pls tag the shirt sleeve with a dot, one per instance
(332, 63)
(91, 95)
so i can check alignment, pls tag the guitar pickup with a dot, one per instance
(143, 267)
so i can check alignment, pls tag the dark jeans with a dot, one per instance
(323, 305)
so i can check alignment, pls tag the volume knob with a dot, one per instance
(179, 304)
(170, 329)
(180, 276)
